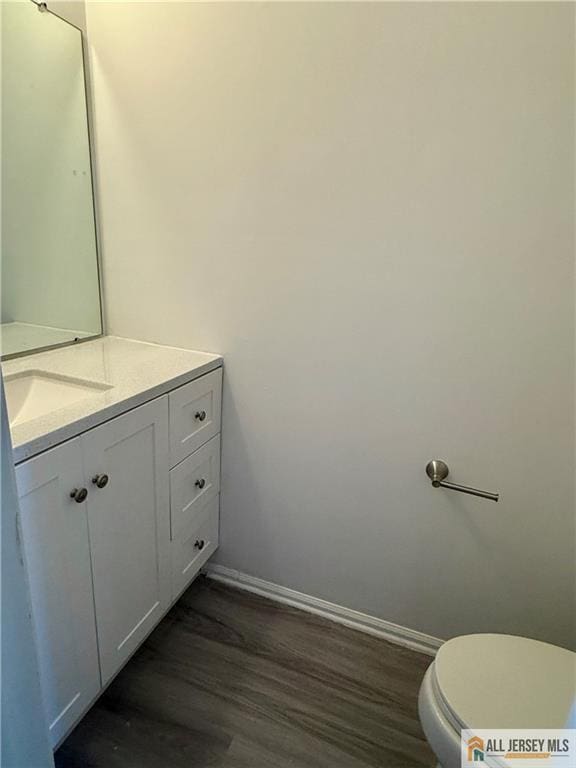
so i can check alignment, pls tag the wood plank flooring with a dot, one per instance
(232, 680)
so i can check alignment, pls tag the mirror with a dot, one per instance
(50, 292)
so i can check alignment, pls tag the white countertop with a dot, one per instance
(135, 371)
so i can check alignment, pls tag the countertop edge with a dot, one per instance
(56, 437)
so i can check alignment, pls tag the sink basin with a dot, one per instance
(34, 393)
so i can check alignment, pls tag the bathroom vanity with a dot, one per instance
(116, 442)
(117, 451)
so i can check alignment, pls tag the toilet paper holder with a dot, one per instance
(437, 470)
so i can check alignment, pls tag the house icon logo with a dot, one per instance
(475, 749)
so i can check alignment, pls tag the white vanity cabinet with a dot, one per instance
(112, 535)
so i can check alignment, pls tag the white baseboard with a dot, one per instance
(371, 625)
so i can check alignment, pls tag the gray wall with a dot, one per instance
(368, 209)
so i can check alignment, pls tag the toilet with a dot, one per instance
(494, 681)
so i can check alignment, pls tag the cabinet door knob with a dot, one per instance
(200, 415)
(200, 483)
(100, 481)
(199, 543)
(79, 495)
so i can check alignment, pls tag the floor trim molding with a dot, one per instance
(409, 638)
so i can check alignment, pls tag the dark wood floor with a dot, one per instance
(232, 680)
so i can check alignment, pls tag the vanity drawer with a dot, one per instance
(191, 552)
(193, 483)
(194, 415)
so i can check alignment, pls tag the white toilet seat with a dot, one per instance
(441, 733)
(494, 681)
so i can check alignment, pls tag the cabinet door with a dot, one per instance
(191, 550)
(195, 415)
(193, 483)
(129, 525)
(56, 548)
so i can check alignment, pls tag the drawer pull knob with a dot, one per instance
(200, 483)
(200, 415)
(79, 495)
(199, 543)
(100, 481)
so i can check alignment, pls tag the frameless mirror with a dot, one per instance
(50, 292)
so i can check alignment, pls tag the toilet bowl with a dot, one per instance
(494, 681)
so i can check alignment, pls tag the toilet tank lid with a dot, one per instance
(503, 681)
